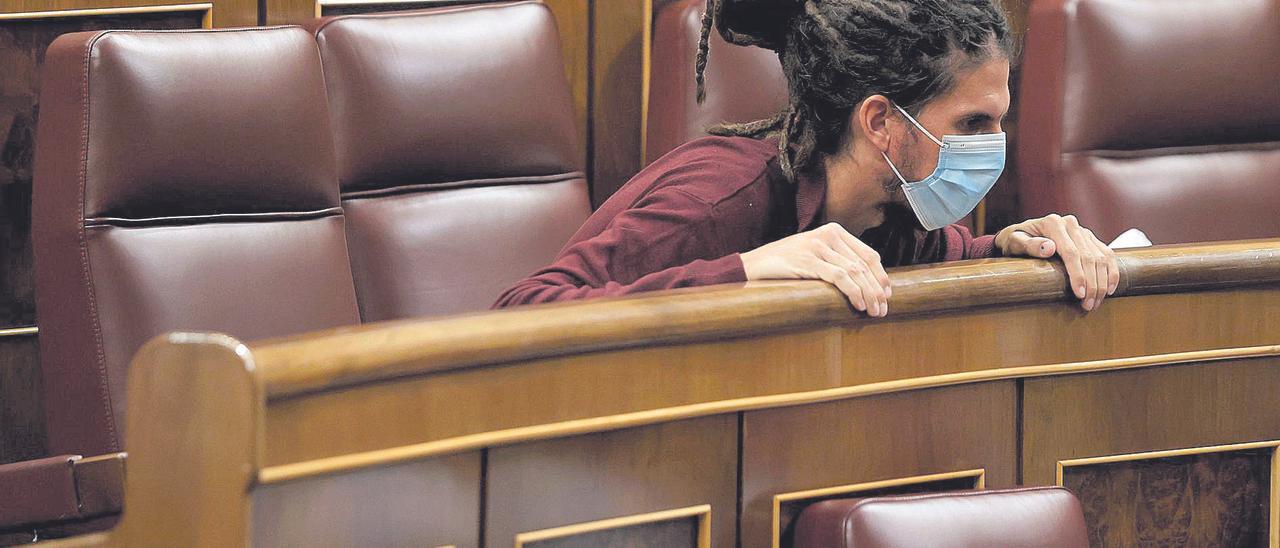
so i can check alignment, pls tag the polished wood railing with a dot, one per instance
(714, 415)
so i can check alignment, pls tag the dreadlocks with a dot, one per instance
(835, 53)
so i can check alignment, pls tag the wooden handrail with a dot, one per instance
(349, 356)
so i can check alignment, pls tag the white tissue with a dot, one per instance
(1130, 238)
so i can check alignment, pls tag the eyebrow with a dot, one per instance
(976, 118)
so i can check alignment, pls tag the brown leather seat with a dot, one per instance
(1038, 516)
(184, 181)
(456, 149)
(1159, 115)
(743, 84)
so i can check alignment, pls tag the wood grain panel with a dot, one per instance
(871, 439)
(1169, 407)
(495, 398)
(682, 464)
(1031, 335)
(619, 43)
(1208, 499)
(226, 13)
(668, 534)
(22, 434)
(434, 502)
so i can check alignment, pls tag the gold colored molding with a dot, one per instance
(702, 512)
(979, 476)
(20, 332)
(646, 78)
(1274, 517)
(391, 455)
(207, 8)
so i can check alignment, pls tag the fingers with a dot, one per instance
(874, 296)
(843, 281)
(850, 246)
(1055, 228)
(1024, 244)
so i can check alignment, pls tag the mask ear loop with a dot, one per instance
(920, 127)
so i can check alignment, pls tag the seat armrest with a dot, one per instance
(56, 490)
(38, 491)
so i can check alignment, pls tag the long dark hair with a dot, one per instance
(835, 53)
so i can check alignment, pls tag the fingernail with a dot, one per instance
(1080, 292)
(1088, 304)
(1044, 247)
(888, 291)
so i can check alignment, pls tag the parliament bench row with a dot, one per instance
(271, 181)
(721, 416)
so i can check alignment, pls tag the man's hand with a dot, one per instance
(827, 253)
(1091, 265)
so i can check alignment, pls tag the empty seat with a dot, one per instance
(1152, 114)
(457, 152)
(184, 181)
(1048, 517)
(743, 84)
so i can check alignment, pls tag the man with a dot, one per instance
(891, 132)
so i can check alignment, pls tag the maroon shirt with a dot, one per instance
(684, 220)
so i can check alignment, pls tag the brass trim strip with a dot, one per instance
(93, 12)
(1274, 445)
(702, 512)
(342, 3)
(20, 331)
(646, 77)
(341, 463)
(979, 475)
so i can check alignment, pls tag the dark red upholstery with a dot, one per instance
(743, 83)
(1048, 517)
(184, 181)
(1159, 115)
(457, 152)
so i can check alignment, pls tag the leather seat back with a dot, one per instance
(457, 152)
(1047, 517)
(1159, 115)
(184, 181)
(743, 84)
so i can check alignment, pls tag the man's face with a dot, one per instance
(977, 104)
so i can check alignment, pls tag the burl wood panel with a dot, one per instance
(22, 433)
(434, 502)
(871, 439)
(667, 534)
(1142, 410)
(1211, 499)
(540, 485)
(22, 47)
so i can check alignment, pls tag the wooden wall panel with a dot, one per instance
(540, 485)
(21, 413)
(1170, 407)
(1221, 498)
(619, 42)
(433, 502)
(873, 439)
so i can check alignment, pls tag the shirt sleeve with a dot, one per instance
(666, 241)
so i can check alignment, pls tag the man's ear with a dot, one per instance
(872, 118)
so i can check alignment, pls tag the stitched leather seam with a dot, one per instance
(214, 218)
(454, 185)
(104, 390)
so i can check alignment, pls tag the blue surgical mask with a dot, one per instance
(968, 166)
